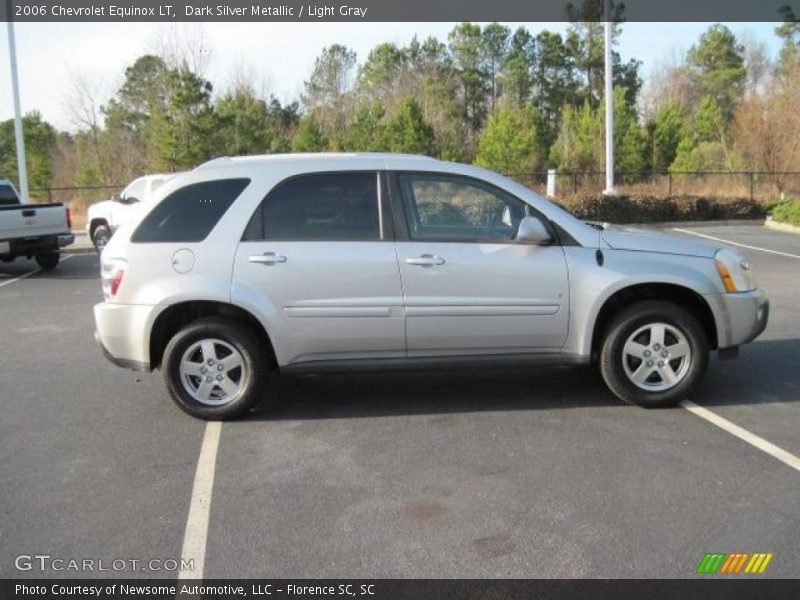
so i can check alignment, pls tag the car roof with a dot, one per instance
(312, 157)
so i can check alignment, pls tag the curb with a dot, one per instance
(777, 225)
(671, 224)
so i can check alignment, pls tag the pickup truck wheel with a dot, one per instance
(215, 369)
(100, 237)
(48, 260)
(654, 354)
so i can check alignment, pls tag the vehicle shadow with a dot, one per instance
(766, 372)
(441, 392)
(81, 266)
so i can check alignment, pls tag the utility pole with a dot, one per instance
(609, 76)
(21, 166)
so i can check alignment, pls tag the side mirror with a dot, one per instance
(116, 198)
(129, 200)
(531, 230)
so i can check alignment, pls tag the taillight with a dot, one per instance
(116, 281)
(111, 272)
(69, 219)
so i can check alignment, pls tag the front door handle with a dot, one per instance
(426, 260)
(268, 258)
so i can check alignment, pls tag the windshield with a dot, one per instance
(7, 195)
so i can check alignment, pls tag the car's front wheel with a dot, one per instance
(215, 368)
(100, 237)
(654, 354)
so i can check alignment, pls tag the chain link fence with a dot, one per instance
(761, 186)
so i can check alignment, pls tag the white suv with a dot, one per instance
(306, 263)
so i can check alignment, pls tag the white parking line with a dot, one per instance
(716, 239)
(34, 272)
(194, 538)
(751, 438)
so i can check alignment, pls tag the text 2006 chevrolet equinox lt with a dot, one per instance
(329, 262)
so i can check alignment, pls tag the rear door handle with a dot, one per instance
(268, 258)
(426, 260)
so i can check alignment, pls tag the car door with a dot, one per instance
(469, 287)
(317, 260)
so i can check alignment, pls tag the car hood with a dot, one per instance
(99, 208)
(643, 240)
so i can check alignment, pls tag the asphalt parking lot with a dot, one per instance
(523, 473)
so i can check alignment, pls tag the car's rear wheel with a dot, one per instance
(100, 237)
(48, 260)
(215, 369)
(654, 354)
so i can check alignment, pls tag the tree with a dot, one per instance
(40, 140)
(326, 89)
(466, 48)
(717, 67)
(516, 77)
(667, 130)
(366, 131)
(185, 133)
(554, 83)
(578, 146)
(494, 46)
(789, 32)
(509, 141)
(409, 132)
(309, 136)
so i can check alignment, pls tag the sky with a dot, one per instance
(279, 55)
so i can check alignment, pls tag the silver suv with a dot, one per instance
(250, 266)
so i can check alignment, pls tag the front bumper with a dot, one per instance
(740, 317)
(123, 333)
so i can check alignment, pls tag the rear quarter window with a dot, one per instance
(189, 213)
(7, 195)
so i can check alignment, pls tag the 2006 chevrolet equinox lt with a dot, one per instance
(249, 266)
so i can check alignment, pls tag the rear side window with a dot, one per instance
(7, 195)
(324, 206)
(190, 213)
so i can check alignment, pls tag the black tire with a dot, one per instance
(100, 237)
(254, 357)
(625, 324)
(48, 260)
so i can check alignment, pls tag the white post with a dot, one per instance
(21, 166)
(551, 183)
(609, 76)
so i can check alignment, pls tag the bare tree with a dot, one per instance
(83, 106)
(182, 44)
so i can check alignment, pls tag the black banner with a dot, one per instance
(390, 589)
(392, 10)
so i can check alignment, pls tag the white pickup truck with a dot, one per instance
(104, 218)
(32, 230)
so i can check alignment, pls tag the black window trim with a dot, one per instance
(403, 229)
(382, 198)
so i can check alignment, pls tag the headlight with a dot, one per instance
(736, 273)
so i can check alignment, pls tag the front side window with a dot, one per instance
(450, 207)
(321, 206)
(189, 213)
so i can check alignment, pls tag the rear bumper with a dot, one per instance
(120, 362)
(123, 333)
(31, 246)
